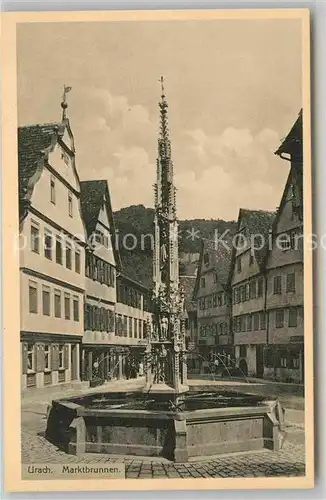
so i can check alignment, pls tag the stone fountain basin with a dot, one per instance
(143, 425)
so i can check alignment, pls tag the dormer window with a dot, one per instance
(284, 241)
(70, 208)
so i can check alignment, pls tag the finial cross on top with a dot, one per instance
(161, 80)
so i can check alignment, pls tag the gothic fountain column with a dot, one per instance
(166, 370)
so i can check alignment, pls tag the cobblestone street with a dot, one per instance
(288, 462)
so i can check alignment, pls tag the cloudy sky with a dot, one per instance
(233, 87)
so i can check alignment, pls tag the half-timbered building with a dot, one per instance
(284, 355)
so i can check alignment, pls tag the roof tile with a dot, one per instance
(32, 140)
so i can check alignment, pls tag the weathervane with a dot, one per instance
(64, 104)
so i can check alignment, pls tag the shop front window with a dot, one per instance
(30, 358)
(283, 362)
(47, 357)
(61, 357)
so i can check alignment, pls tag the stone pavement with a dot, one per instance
(287, 462)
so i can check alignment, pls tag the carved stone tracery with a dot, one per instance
(166, 333)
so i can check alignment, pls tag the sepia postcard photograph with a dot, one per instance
(157, 250)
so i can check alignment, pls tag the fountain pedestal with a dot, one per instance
(82, 425)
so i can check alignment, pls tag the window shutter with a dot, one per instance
(85, 317)
(96, 317)
(100, 314)
(92, 309)
(90, 317)
(97, 269)
(106, 320)
(87, 271)
(91, 266)
(101, 319)
(55, 356)
(39, 355)
(111, 321)
(66, 356)
(24, 357)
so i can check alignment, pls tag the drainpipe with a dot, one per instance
(266, 316)
(265, 308)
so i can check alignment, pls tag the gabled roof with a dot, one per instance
(256, 222)
(293, 141)
(91, 199)
(294, 137)
(293, 174)
(222, 259)
(33, 140)
(137, 267)
(188, 285)
(125, 276)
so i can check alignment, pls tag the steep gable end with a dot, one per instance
(214, 258)
(292, 144)
(34, 144)
(254, 226)
(96, 205)
(103, 215)
(66, 135)
(91, 198)
(39, 146)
